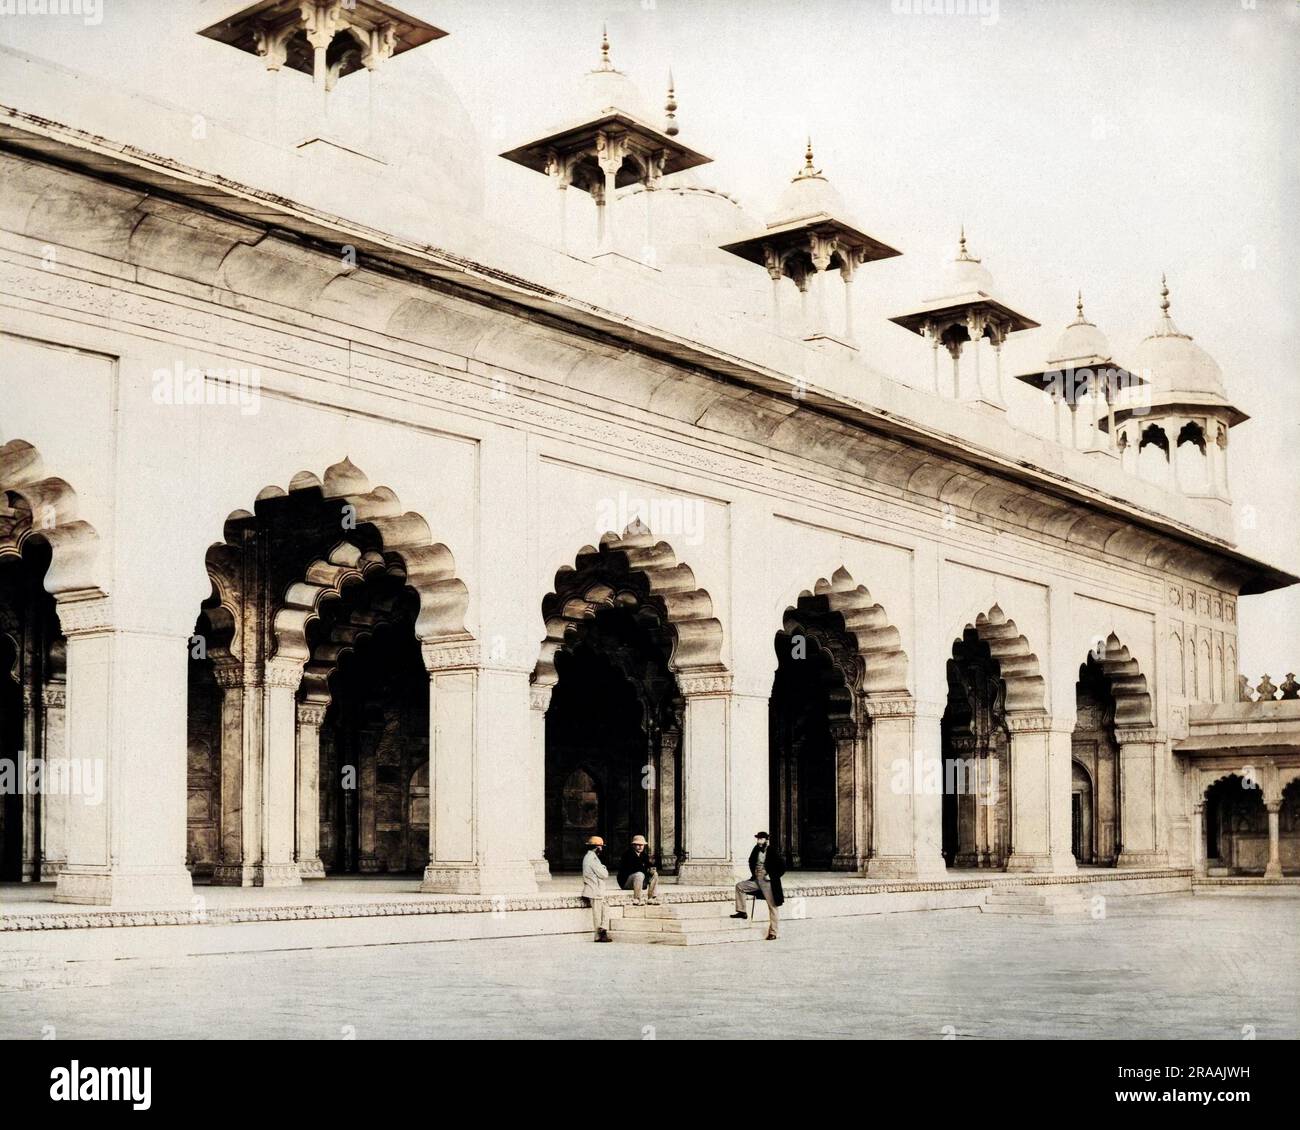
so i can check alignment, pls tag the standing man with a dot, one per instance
(594, 874)
(765, 870)
(636, 873)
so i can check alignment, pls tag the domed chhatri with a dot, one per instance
(964, 310)
(1176, 365)
(807, 236)
(608, 145)
(1176, 432)
(1079, 366)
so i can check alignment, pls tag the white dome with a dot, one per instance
(602, 90)
(1080, 341)
(1174, 363)
(964, 275)
(809, 194)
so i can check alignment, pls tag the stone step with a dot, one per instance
(681, 910)
(677, 925)
(694, 938)
(1048, 901)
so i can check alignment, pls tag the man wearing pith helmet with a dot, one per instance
(637, 873)
(765, 870)
(594, 874)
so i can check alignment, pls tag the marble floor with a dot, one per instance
(1177, 966)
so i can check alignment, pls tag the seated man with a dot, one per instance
(765, 870)
(637, 873)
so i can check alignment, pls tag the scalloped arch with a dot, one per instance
(880, 664)
(52, 508)
(406, 549)
(1017, 664)
(632, 569)
(1128, 686)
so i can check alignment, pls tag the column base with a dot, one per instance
(710, 873)
(233, 875)
(854, 864)
(1041, 864)
(311, 869)
(277, 875)
(1273, 871)
(541, 871)
(164, 888)
(370, 865)
(51, 869)
(1142, 859)
(906, 867)
(489, 879)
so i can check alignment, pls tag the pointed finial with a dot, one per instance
(1164, 294)
(809, 169)
(605, 64)
(962, 253)
(1079, 305)
(670, 107)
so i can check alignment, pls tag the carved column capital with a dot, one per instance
(450, 655)
(81, 613)
(54, 695)
(1139, 735)
(312, 713)
(697, 684)
(283, 673)
(539, 697)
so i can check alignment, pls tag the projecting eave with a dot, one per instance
(1040, 485)
(792, 232)
(1188, 402)
(536, 155)
(956, 307)
(1102, 368)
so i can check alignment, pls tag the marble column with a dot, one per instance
(54, 804)
(706, 833)
(311, 715)
(277, 867)
(851, 795)
(126, 721)
(481, 830)
(1274, 868)
(31, 798)
(241, 772)
(906, 782)
(1199, 865)
(1141, 834)
(1040, 795)
(539, 701)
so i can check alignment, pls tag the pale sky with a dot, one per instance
(1084, 144)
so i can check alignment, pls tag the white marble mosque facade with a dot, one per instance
(520, 441)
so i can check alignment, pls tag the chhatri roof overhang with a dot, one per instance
(580, 136)
(256, 27)
(955, 308)
(922, 453)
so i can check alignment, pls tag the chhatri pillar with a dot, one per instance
(1084, 383)
(806, 240)
(963, 314)
(609, 144)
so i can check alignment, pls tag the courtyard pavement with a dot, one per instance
(1168, 966)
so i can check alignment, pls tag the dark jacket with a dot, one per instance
(631, 863)
(774, 865)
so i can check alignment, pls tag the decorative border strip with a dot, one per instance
(486, 904)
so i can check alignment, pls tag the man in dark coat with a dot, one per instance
(765, 870)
